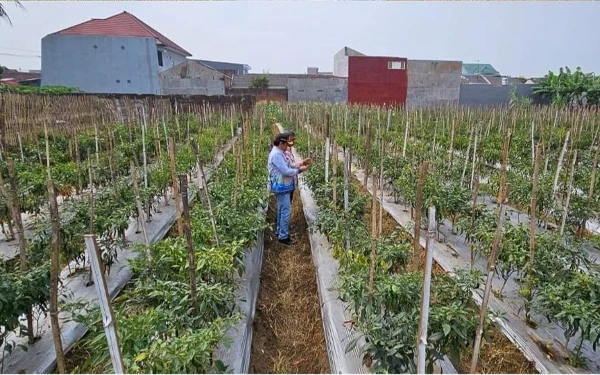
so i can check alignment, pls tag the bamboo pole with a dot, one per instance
(140, 209)
(559, 166)
(346, 196)
(206, 191)
(594, 169)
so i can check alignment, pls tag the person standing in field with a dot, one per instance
(289, 155)
(282, 180)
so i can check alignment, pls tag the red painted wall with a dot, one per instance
(371, 82)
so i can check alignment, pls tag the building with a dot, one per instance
(192, 77)
(398, 80)
(118, 54)
(16, 77)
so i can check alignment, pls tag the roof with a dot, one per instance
(190, 61)
(476, 68)
(222, 65)
(124, 25)
(472, 79)
(17, 75)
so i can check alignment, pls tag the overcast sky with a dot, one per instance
(287, 36)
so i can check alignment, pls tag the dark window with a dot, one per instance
(123, 48)
(300, 90)
(319, 90)
(160, 58)
(118, 81)
(95, 46)
(128, 81)
(338, 90)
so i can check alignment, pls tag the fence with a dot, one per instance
(27, 114)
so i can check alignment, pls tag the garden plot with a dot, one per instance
(76, 290)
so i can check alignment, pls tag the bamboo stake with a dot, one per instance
(373, 236)
(559, 166)
(54, 279)
(493, 257)
(335, 177)
(140, 209)
(190, 246)
(425, 294)
(594, 169)
(346, 195)
(462, 177)
(175, 185)
(418, 203)
(206, 192)
(569, 189)
(405, 139)
(78, 161)
(381, 185)
(532, 224)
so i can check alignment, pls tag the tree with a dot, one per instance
(4, 15)
(570, 88)
(259, 83)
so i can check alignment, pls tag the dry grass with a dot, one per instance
(288, 336)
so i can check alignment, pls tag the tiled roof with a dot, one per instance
(123, 25)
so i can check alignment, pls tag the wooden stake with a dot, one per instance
(206, 192)
(373, 237)
(559, 167)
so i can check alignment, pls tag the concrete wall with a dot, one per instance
(340, 61)
(97, 64)
(272, 95)
(433, 83)
(326, 89)
(170, 59)
(491, 96)
(192, 78)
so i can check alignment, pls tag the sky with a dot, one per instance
(518, 38)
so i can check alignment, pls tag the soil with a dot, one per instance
(288, 329)
(499, 355)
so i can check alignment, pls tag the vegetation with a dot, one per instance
(259, 83)
(22, 89)
(571, 89)
(551, 269)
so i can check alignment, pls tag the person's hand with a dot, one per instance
(303, 168)
(307, 161)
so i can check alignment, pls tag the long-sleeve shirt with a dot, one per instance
(278, 164)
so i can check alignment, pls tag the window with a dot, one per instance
(300, 90)
(128, 81)
(319, 90)
(160, 58)
(118, 81)
(123, 48)
(396, 65)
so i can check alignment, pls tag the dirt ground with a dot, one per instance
(288, 330)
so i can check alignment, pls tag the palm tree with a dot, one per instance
(4, 15)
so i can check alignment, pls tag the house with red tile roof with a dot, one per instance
(118, 54)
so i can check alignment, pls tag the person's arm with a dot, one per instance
(282, 165)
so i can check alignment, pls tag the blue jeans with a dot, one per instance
(284, 213)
